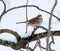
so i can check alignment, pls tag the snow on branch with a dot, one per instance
(23, 41)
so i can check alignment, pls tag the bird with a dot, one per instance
(34, 22)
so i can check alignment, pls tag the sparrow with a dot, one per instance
(34, 22)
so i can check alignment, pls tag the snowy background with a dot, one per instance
(9, 20)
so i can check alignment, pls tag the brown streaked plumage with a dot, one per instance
(36, 21)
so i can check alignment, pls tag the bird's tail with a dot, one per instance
(21, 22)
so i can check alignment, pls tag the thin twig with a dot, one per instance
(39, 42)
(26, 16)
(38, 28)
(49, 26)
(50, 46)
(35, 46)
(31, 6)
(27, 20)
(3, 10)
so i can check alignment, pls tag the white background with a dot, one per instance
(9, 20)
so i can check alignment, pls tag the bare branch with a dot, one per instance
(50, 46)
(11, 32)
(35, 7)
(39, 43)
(20, 44)
(38, 28)
(27, 20)
(42, 35)
(9, 44)
(23, 41)
(49, 26)
(26, 16)
(40, 47)
(3, 10)
(31, 6)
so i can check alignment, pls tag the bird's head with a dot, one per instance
(39, 15)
